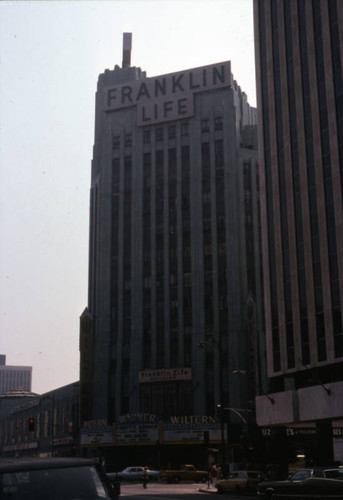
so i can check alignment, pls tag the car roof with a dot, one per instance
(21, 464)
(320, 467)
(248, 470)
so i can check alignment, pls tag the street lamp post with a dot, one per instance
(211, 341)
(236, 411)
(221, 409)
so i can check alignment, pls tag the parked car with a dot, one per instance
(312, 483)
(133, 474)
(54, 479)
(241, 481)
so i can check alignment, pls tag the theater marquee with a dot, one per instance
(166, 97)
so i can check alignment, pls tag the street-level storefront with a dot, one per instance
(309, 418)
(144, 439)
(300, 444)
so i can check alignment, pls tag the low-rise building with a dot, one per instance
(40, 425)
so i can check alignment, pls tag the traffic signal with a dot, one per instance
(31, 424)
(73, 450)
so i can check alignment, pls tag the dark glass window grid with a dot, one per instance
(115, 253)
(173, 263)
(207, 234)
(127, 264)
(269, 192)
(159, 241)
(321, 348)
(249, 241)
(338, 78)
(283, 199)
(186, 251)
(327, 174)
(146, 352)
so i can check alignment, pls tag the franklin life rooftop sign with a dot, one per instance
(166, 97)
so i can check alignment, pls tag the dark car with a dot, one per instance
(313, 483)
(54, 479)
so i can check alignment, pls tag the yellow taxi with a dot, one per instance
(240, 481)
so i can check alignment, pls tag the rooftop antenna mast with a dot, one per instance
(127, 45)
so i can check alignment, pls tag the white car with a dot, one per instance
(133, 474)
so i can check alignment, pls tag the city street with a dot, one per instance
(166, 491)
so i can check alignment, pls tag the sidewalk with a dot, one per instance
(208, 488)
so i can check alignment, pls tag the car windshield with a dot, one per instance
(254, 475)
(334, 473)
(242, 475)
(300, 475)
(69, 483)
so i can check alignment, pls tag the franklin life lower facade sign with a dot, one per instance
(165, 374)
(167, 97)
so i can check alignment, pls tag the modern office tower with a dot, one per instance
(14, 377)
(173, 281)
(299, 51)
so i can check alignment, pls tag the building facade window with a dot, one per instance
(172, 132)
(159, 134)
(218, 123)
(128, 140)
(205, 125)
(146, 136)
(116, 142)
(184, 129)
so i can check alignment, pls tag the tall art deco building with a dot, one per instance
(299, 53)
(173, 258)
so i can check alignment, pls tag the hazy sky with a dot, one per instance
(51, 54)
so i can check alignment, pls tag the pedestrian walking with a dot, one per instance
(145, 476)
(214, 475)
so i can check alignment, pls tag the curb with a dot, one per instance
(208, 490)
